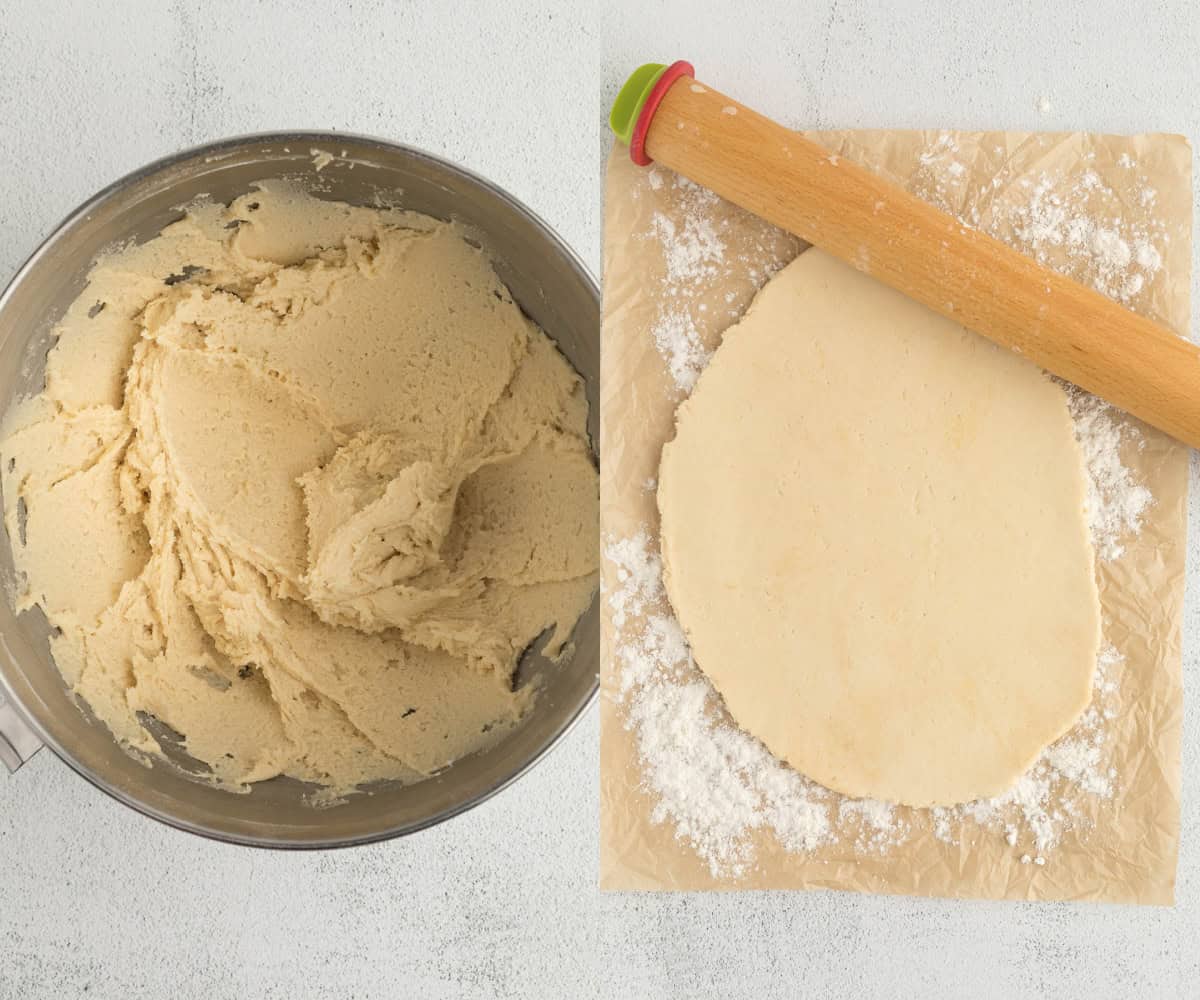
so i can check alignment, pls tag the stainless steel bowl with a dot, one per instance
(551, 285)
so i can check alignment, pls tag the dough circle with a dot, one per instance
(874, 537)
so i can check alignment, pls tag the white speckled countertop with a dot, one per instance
(97, 901)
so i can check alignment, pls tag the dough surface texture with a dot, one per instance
(874, 536)
(302, 485)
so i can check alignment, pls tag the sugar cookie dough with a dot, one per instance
(302, 485)
(874, 537)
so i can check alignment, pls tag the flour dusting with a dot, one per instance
(694, 255)
(717, 785)
(876, 822)
(1116, 502)
(1065, 224)
(1116, 258)
(679, 343)
(714, 783)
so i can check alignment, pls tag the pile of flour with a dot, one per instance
(717, 785)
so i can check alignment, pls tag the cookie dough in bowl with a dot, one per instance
(302, 485)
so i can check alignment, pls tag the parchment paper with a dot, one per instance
(1125, 850)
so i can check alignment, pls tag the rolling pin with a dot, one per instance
(1066, 328)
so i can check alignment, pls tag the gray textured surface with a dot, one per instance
(501, 901)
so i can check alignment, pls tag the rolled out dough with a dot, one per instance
(874, 536)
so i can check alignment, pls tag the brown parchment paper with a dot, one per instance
(1124, 850)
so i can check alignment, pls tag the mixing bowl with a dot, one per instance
(548, 281)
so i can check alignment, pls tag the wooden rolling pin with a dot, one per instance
(927, 254)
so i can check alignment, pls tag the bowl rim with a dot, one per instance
(210, 150)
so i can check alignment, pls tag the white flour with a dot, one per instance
(1116, 502)
(693, 251)
(679, 343)
(1067, 226)
(877, 825)
(716, 785)
(1114, 258)
(694, 258)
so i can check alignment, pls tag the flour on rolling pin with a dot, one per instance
(716, 785)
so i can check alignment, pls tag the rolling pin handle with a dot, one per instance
(634, 108)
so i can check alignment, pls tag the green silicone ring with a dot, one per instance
(628, 105)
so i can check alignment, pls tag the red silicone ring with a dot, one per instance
(637, 141)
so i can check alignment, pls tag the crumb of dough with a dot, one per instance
(302, 485)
